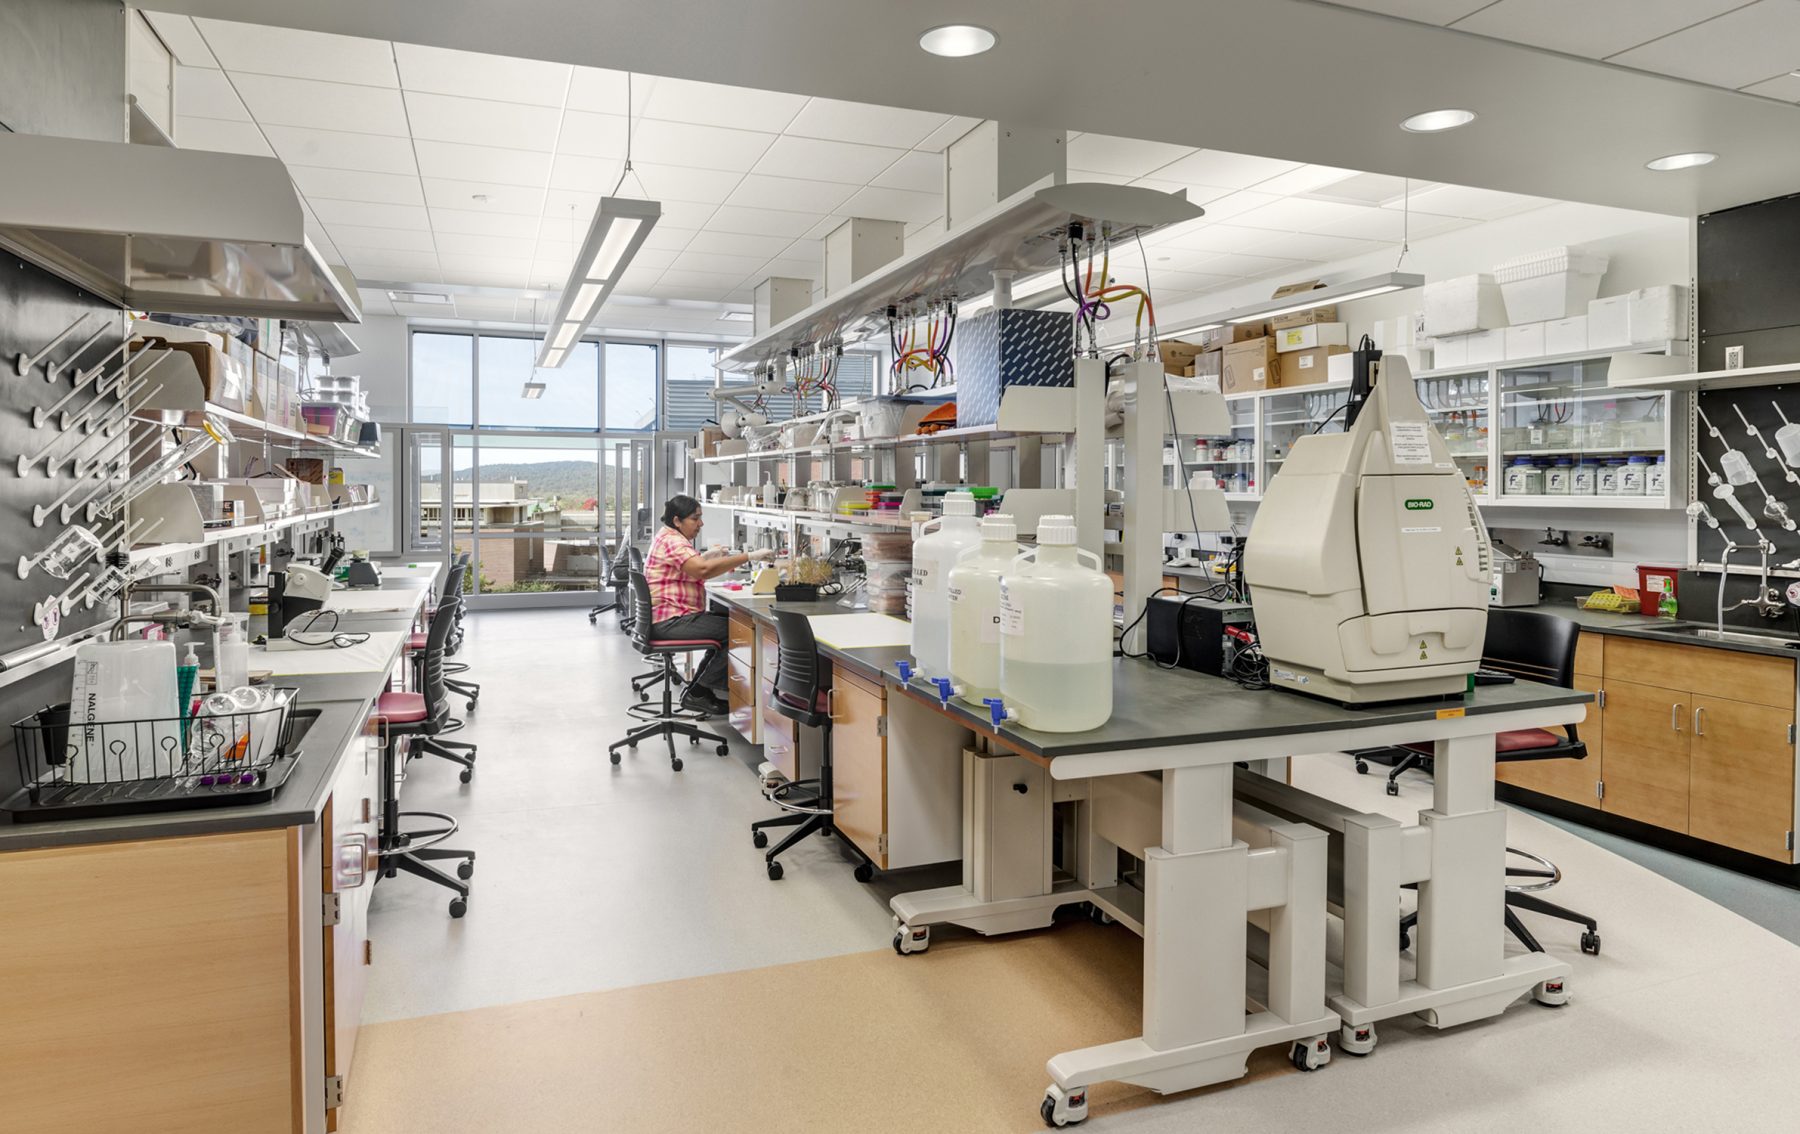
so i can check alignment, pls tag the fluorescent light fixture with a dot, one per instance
(534, 391)
(1197, 328)
(1288, 304)
(618, 230)
(418, 297)
(736, 317)
(1432, 121)
(957, 41)
(1681, 161)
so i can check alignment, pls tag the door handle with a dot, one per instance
(1699, 710)
(1675, 716)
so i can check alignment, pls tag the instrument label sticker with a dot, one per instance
(1410, 442)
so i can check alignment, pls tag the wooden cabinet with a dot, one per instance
(1742, 789)
(859, 763)
(1647, 769)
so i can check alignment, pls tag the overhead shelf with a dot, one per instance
(1019, 234)
(1654, 372)
(249, 535)
(247, 428)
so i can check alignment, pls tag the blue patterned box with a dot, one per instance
(997, 349)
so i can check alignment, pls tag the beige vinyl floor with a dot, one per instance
(626, 966)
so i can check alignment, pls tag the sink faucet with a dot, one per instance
(1768, 602)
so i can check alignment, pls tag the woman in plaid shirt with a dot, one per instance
(677, 575)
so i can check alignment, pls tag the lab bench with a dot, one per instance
(1692, 745)
(209, 965)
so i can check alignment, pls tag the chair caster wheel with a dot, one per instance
(774, 872)
(724, 748)
(826, 832)
(1393, 788)
(459, 906)
(1310, 1055)
(675, 763)
(642, 696)
(467, 775)
(1590, 944)
(471, 705)
(1063, 1108)
(693, 740)
(864, 872)
(758, 840)
(614, 757)
(1405, 941)
(632, 746)
(465, 870)
(1362, 767)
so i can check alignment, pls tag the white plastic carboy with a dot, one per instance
(1056, 636)
(974, 595)
(935, 551)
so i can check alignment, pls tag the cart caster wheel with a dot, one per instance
(864, 872)
(1356, 1041)
(759, 840)
(614, 757)
(675, 763)
(459, 906)
(1362, 767)
(1063, 1108)
(1551, 993)
(1393, 787)
(465, 870)
(723, 749)
(1310, 1055)
(1590, 944)
(774, 872)
(1099, 916)
(467, 775)
(910, 940)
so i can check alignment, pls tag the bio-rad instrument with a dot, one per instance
(1369, 567)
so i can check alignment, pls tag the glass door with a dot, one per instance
(1231, 459)
(1566, 437)
(534, 504)
(626, 513)
(428, 469)
(1287, 417)
(1458, 407)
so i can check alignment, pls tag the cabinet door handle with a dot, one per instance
(1675, 716)
(1699, 710)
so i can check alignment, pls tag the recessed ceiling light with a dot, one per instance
(1680, 161)
(958, 40)
(1432, 121)
(418, 297)
(735, 317)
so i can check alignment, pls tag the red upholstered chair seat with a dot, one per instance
(682, 643)
(401, 708)
(416, 641)
(1518, 740)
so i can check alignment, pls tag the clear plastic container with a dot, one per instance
(69, 552)
(1633, 475)
(1607, 483)
(1558, 477)
(1586, 479)
(1736, 467)
(1056, 634)
(1524, 478)
(974, 596)
(935, 552)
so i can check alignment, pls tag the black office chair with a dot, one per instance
(607, 601)
(801, 696)
(454, 588)
(641, 683)
(421, 715)
(1537, 647)
(670, 721)
(446, 616)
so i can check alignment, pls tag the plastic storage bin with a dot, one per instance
(1553, 283)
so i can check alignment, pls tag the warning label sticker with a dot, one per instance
(1410, 442)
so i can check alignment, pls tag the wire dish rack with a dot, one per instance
(225, 755)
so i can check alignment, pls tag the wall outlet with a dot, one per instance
(1734, 358)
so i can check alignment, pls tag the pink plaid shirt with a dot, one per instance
(673, 592)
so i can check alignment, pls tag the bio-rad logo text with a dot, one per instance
(1418, 504)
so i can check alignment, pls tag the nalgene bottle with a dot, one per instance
(974, 599)
(1558, 476)
(1056, 634)
(1656, 480)
(1633, 475)
(935, 551)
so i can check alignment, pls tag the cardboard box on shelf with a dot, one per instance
(1525, 340)
(1463, 305)
(1486, 347)
(1249, 366)
(707, 441)
(1178, 355)
(226, 383)
(1609, 322)
(1307, 367)
(1210, 364)
(1327, 314)
(1308, 336)
(1566, 336)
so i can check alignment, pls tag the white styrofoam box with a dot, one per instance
(1525, 340)
(1312, 335)
(1552, 283)
(1658, 314)
(1463, 305)
(1340, 367)
(1609, 322)
(1566, 336)
(1451, 350)
(1486, 347)
(1394, 334)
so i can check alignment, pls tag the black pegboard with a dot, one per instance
(34, 308)
(1758, 405)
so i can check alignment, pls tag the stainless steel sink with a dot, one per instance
(1738, 637)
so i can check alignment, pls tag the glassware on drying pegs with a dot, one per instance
(68, 552)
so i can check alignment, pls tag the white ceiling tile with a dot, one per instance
(722, 281)
(366, 260)
(712, 293)
(475, 75)
(1297, 214)
(1783, 87)
(861, 122)
(479, 223)
(934, 225)
(207, 93)
(463, 244)
(1217, 167)
(521, 200)
(703, 147)
(1161, 278)
(1216, 238)
(763, 191)
(182, 38)
(376, 303)
(482, 122)
(267, 50)
(498, 264)
(683, 183)
(1128, 156)
(1236, 204)
(485, 277)
(565, 209)
(593, 135)
(819, 160)
(709, 104)
(584, 174)
(1198, 194)
(224, 137)
(653, 259)
(348, 236)
(1464, 201)
(763, 222)
(370, 214)
(276, 100)
(1304, 180)
(822, 227)
(894, 204)
(940, 139)
(1247, 267)
(483, 307)
(917, 170)
(739, 244)
(334, 149)
(1424, 11)
(667, 238)
(1315, 246)
(788, 269)
(1594, 28)
(686, 214)
(637, 279)
(717, 263)
(357, 185)
(1076, 176)
(1746, 46)
(1364, 189)
(598, 89)
(1385, 224)
(457, 162)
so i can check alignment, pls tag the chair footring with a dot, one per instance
(411, 842)
(813, 825)
(417, 867)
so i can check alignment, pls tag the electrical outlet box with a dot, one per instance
(1734, 358)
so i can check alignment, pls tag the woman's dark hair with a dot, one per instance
(679, 507)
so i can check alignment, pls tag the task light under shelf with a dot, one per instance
(619, 228)
(1302, 301)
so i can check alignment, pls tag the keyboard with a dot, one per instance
(1493, 677)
